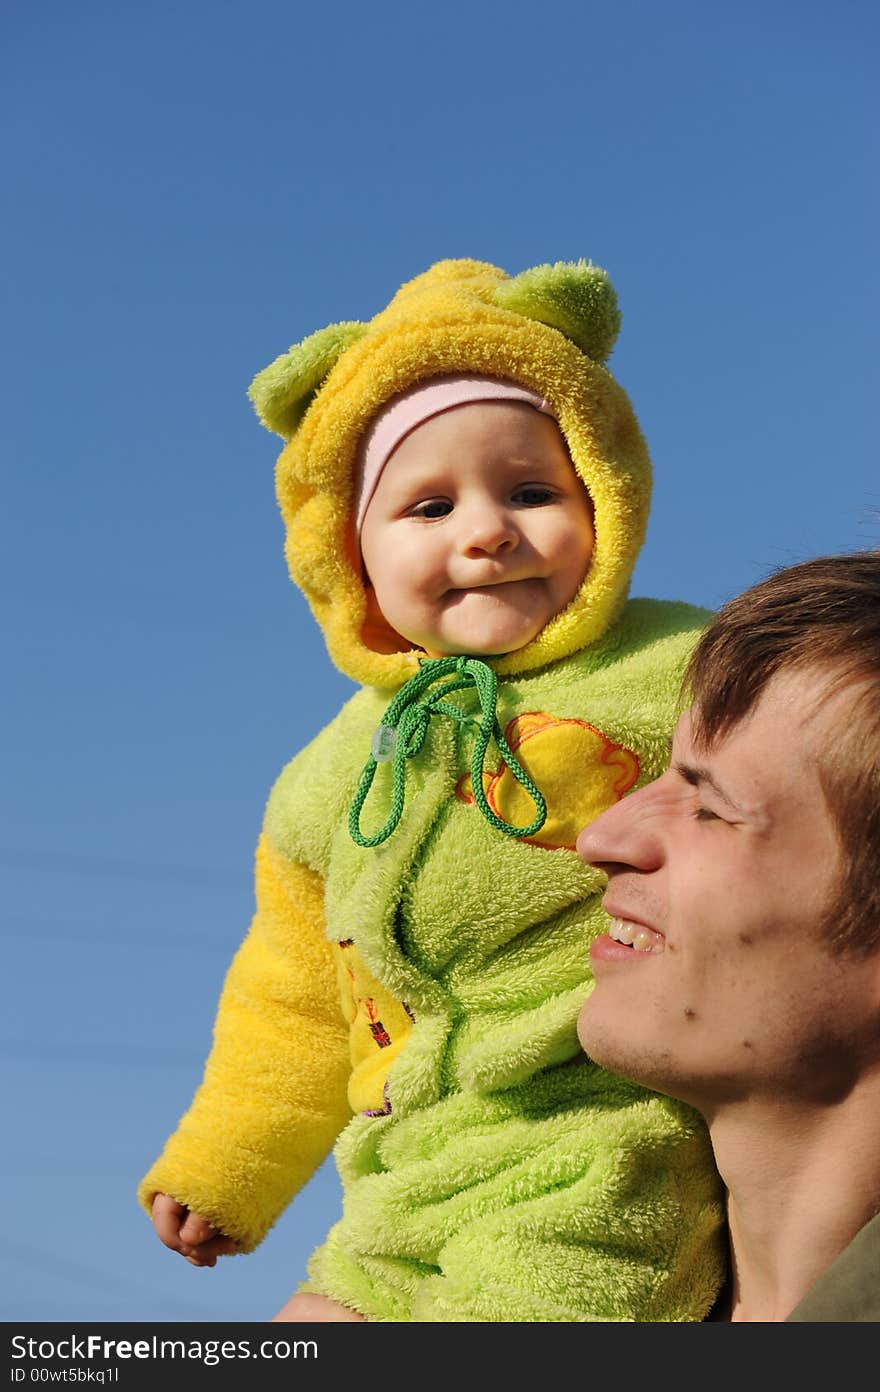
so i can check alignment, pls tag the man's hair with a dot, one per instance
(822, 615)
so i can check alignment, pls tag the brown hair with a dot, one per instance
(820, 614)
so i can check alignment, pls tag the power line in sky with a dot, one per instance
(123, 1289)
(113, 1054)
(75, 864)
(71, 931)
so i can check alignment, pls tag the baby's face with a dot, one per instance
(479, 530)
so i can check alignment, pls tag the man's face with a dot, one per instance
(720, 874)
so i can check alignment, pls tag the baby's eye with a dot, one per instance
(533, 495)
(432, 508)
(705, 814)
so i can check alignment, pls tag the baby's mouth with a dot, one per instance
(487, 585)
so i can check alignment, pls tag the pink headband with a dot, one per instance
(403, 413)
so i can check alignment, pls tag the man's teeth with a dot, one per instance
(633, 936)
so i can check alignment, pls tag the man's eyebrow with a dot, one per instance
(696, 774)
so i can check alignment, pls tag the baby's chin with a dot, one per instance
(482, 635)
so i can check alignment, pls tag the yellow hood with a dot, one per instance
(549, 328)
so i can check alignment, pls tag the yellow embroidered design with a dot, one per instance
(579, 770)
(379, 1026)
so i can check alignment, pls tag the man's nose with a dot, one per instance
(625, 834)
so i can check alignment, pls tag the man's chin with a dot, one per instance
(593, 1039)
(612, 1050)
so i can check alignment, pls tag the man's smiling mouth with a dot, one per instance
(635, 935)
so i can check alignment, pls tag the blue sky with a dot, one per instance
(190, 189)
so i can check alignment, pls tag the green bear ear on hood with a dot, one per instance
(575, 297)
(283, 391)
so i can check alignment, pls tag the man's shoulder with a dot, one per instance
(849, 1291)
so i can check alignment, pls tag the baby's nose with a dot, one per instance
(490, 532)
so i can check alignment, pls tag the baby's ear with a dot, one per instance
(283, 391)
(575, 297)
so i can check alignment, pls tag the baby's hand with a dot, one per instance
(185, 1232)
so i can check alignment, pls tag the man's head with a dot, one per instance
(745, 877)
(822, 615)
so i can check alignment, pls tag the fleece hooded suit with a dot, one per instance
(410, 984)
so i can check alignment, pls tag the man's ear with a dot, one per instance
(575, 297)
(283, 391)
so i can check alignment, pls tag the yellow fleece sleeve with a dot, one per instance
(273, 1098)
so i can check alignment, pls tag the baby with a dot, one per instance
(465, 489)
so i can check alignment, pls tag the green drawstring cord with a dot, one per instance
(402, 734)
